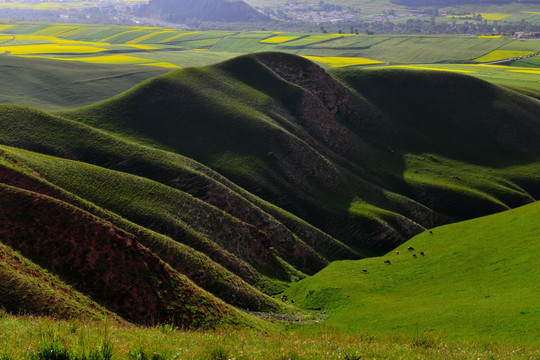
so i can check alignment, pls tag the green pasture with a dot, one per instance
(477, 281)
(53, 85)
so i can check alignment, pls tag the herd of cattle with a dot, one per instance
(410, 249)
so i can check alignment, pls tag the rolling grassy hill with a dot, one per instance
(331, 169)
(53, 85)
(477, 281)
(225, 184)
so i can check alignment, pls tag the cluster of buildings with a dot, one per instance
(520, 35)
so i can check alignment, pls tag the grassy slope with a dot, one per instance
(53, 85)
(29, 289)
(198, 267)
(38, 131)
(105, 262)
(338, 166)
(477, 281)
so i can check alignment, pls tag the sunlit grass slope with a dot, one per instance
(49, 84)
(477, 281)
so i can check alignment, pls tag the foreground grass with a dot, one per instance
(31, 338)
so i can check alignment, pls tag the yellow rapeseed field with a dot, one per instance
(163, 64)
(536, 72)
(5, 27)
(490, 36)
(342, 61)
(278, 39)
(112, 59)
(502, 55)
(143, 47)
(105, 59)
(50, 49)
(412, 67)
(52, 40)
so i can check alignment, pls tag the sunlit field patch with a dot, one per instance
(430, 68)
(490, 36)
(142, 47)
(342, 61)
(537, 72)
(174, 37)
(31, 39)
(278, 39)
(5, 27)
(57, 30)
(119, 34)
(148, 36)
(163, 64)
(50, 49)
(316, 39)
(105, 59)
(502, 55)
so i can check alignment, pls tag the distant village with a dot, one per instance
(520, 35)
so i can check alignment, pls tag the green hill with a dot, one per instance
(371, 159)
(477, 281)
(27, 288)
(53, 85)
(103, 261)
(223, 185)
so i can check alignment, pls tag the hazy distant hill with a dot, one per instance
(179, 11)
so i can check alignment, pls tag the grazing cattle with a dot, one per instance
(414, 256)
(387, 262)
(364, 271)
(410, 248)
(422, 253)
(397, 252)
(430, 232)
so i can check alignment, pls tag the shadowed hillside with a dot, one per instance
(244, 177)
(371, 163)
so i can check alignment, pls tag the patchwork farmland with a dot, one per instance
(170, 49)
